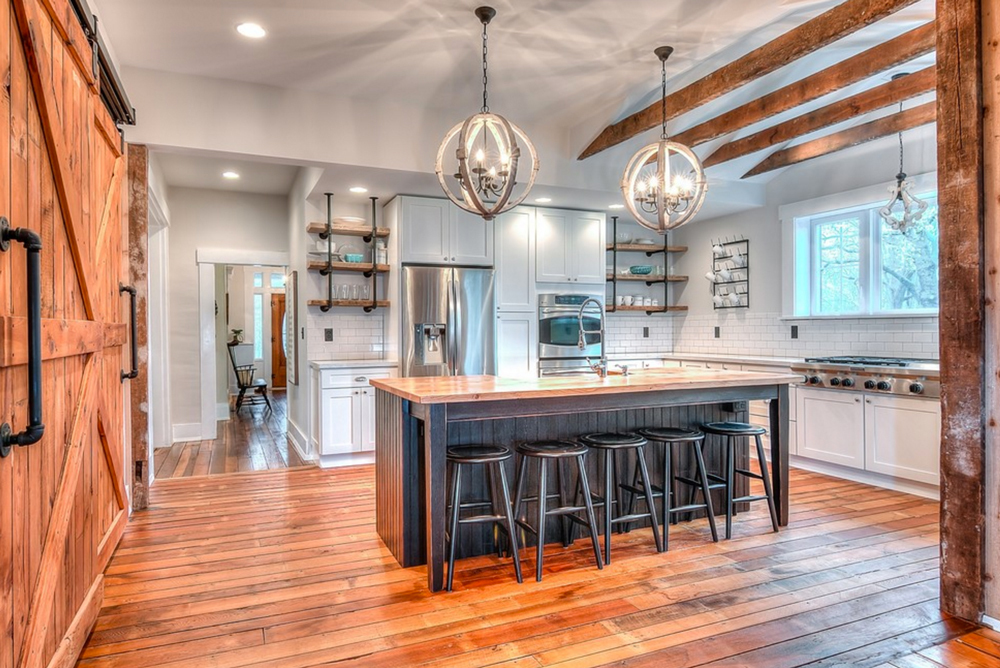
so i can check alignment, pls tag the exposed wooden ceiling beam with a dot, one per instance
(913, 44)
(879, 97)
(883, 127)
(821, 31)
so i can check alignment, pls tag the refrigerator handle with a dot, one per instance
(452, 324)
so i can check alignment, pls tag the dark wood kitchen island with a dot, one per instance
(418, 418)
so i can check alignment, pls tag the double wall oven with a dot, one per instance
(559, 351)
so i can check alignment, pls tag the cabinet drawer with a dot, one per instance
(338, 378)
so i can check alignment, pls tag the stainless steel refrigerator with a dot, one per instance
(448, 321)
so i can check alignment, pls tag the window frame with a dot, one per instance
(798, 250)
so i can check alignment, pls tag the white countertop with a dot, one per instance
(354, 364)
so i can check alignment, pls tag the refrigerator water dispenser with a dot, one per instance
(431, 345)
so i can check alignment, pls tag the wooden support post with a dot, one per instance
(138, 238)
(964, 381)
(991, 182)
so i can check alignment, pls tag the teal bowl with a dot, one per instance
(641, 270)
(354, 257)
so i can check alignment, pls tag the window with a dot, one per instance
(258, 279)
(851, 262)
(277, 281)
(258, 325)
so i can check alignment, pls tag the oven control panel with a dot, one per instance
(875, 383)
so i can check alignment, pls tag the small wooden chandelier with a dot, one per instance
(664, 184)
(903, 208)
(488, 153)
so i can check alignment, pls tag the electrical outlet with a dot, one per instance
(328, 334)
(645, 332)
(795, 331)
(718, 332)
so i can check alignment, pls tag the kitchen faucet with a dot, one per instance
(601, 367)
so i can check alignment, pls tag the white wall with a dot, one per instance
(208, 219)
(758, 328)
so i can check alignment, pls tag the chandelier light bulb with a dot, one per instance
(488, 154)
(664, 184)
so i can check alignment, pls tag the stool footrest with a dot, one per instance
(720, 483)
(688, 508)
(638, 491)
(748, 499)
(481, 519)
(750, 474)
(630, 518)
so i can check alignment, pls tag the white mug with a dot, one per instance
(717, 300)
(656, 302)
(718, 250)
(734, 299)
(740, 261)
(648, 301)
(620, 300)
(626, 300)
(710, 276)
(725, 275)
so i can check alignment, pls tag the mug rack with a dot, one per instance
(731, 258)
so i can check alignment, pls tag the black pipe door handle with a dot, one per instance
(133, 328)
(33, 246)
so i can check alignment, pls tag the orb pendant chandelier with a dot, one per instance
(489, 154)
(664, 184)
(904, 208)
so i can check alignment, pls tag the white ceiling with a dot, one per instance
(556, 60)
(184, 170)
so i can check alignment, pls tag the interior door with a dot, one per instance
(63, 499)
(279, 365)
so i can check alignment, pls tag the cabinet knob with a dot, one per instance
(452, 259)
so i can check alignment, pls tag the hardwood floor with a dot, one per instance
(284, 569)
(253, 440)
(979, 649)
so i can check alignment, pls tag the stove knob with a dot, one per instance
(834, 382)
(814, 380)
(883, 385)
(848, 382)
(869, 384)
(917, 388)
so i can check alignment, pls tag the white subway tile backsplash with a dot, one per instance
(355, 336)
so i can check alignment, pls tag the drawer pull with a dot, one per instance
(360, 379)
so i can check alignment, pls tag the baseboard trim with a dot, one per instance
(222, 411)
(348, 459)
(298, 441)
(866, 477)
(992, 623)
(187, 432)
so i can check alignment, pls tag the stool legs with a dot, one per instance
(588, 502)
(730, 479)
(609, 481)
(511, 528)
(456, 496)
(648, 493)
(699, 457)
(542, 499)
(766, 479)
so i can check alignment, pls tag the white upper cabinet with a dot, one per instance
(435, 231)
(570, 247)
(515, 260)
(471, 239)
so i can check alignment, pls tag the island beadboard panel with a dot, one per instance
(396, 464)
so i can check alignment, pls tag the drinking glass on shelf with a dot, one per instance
(366, 292)
(355, 292)
(342, 291)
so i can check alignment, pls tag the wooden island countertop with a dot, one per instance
(463, 389)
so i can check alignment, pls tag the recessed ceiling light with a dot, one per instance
(232, 176)
(617, 206)
(543, 200)
(359, 189)
(251, 30)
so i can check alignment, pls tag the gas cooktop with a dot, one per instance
(883, 375)
(851, 360)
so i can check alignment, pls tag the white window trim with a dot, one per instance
(795, 295)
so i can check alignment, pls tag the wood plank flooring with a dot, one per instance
(284, 569)
(253, 440)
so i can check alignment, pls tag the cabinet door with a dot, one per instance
(553, 246)
(471, 239)
(367, 419)
(515, 260)
(903, 437)
(831, 427)
(425, 228)
(341, 427)
(588, 253)
(517, 345)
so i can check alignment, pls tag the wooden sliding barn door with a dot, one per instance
(62, 499)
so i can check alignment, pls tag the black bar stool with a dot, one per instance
(611, 445)
(670, 437)
(732, 432)
(556, 451)
(493, 457)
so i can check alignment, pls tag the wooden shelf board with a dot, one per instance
(348, 303)
(347, 230)
(651, 309)
(359, 267)
(647, 248)
(649, 279)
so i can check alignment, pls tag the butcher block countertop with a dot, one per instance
(464, 389)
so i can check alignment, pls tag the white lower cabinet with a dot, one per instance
(902, 436)
(517, 345)
(344, 414)
(890, 435)
(831, 426)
